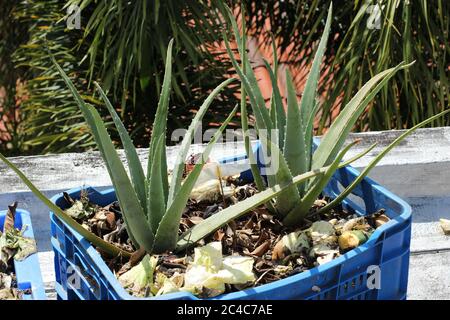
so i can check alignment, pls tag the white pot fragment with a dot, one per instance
(237, 270)
(296, 241)
(165, 285)
(210, 191)
(211, 271)
(140, 277)
(322, 232)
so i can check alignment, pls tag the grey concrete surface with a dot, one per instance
(417, 170)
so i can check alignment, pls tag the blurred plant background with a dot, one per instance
(122, 44)
(12, 34)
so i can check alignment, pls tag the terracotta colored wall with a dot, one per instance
(4, 136)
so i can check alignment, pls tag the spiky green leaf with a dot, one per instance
(257, 178)
(333, 140)
(156, 203)
(133, 213)
(277, 172)
(277, 106)
(166, 238)
(375, 161)
(302, 208)
(134, 165)
(308, 101)
(160, 123)
(294, 142)
(261, 119)
(94, 127)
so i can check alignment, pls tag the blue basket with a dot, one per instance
(82, 274)
(27, 271)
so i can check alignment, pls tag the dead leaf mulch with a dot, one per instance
(13, 245)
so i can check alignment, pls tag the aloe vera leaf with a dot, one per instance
(186, 143)
(358, 156)
(134, 215)
(260, 185)
(216, 221)
(260, 122)
(275, 56)
(294, 142)
(333, 140)
(257, 177)
(80, 102)
(160, 122)
(287, 200)
(88, 116)
(259, 99)
(309, 134)
(258, 102)
(375, 161)
(260, 119)
(308, 101)
(302, 208)
(166, 235)
(135, 167)
(241, 42)
(156, 201)
(106, 247)
(278, 108)
(273, 116)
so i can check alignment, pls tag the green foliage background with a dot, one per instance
(122, 45)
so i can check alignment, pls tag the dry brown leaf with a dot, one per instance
(111, 220)
(380, 220)
(68, 199)
(10, 217)
(278, 251)
(195, 220)
(137, 256)
(261, 249)
(218, 235)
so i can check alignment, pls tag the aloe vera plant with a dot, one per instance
(151, 206)
(292, 144)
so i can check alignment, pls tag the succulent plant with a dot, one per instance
(151, 206)
(287, 137)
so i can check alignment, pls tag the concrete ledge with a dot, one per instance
(418, 167)
(408, 169)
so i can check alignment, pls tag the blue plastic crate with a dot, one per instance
(27, 271)
(82, 274)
